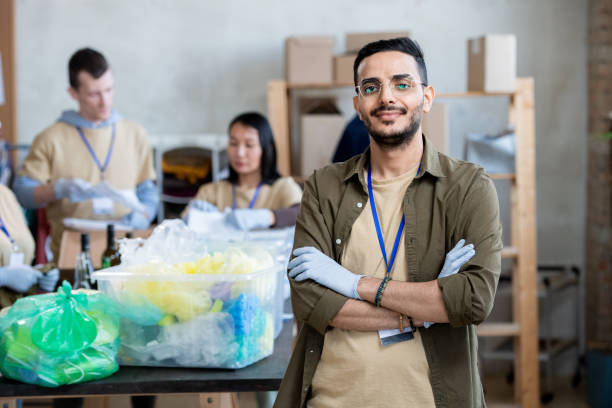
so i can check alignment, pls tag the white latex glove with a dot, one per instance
(310, 263)
(127, 198)
(136, 220)
(19, 278)
(202, 205)
(48, 281)
(76, 190)
(246, 219)
(454, 260)
(198, 205)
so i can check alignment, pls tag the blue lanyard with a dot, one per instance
(101, 167)
(3, 228)
(252, 203)
(381, 241)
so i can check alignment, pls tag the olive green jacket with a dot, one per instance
(448, 200)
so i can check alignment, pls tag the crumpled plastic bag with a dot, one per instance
(60, 338)
(494, 153)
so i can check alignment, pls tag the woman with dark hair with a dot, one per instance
(258, 196)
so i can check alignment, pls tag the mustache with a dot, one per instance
(376, 111)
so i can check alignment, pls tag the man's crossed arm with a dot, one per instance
(420, 300)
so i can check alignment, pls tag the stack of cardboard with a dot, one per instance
(321, 125)
(308, 60)
(356, 41)
(343, 68)
(343, 64)
(492, 63)
(435, 126)
(311, 60)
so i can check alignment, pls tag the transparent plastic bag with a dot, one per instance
(60, 338)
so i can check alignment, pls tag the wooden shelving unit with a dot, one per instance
(522, 249)
(8, 109)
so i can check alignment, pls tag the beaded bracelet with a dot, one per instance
(381, 290)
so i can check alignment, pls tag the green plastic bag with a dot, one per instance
(60, 338)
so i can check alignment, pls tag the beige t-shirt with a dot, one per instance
(355, 370)
(59, 152)
(16, 224)
(283, 193)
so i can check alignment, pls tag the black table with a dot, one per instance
(264, 375)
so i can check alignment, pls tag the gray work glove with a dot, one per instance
(48, 281)
(455, 259)
(310, 263)
(19, 278)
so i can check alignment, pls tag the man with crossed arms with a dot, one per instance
(388, 319)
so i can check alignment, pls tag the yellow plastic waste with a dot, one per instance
(185, 300)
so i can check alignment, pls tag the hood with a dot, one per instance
(73, 118)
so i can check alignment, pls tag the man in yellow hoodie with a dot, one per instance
(85, 148)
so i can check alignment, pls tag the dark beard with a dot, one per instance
(394, 140)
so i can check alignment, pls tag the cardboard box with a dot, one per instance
(435, 126)
(492, 63)
(70, 246)
(309, 60)
(321, 125)
(343, 68)
(356, 41)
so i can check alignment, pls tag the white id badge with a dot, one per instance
(393, 336)
(16, 259)
(102, 206)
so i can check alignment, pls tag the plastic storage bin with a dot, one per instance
(278, 242)
(193, 320)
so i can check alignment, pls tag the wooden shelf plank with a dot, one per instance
(472, 94)
(278, 115)
(503, 176)
(331, 85)
(498, 329)
(524, 222)
(334, 85)
(509, 252)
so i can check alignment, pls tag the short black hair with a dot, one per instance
(401, 44)
(88, 60)
(269, 172)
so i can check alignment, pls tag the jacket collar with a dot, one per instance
(430, 163)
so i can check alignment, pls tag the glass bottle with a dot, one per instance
(84, 268)
(110, 256)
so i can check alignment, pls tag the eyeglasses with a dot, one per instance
(400, 86)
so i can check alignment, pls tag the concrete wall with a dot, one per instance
(191, 65)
